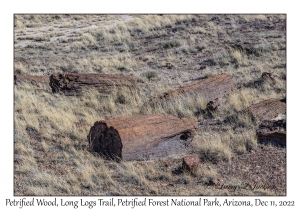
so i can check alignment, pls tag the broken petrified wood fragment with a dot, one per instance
(142, 137)
(267, 109)
(272, 131)
(271, 116)
(190, 163)
(213, 105)
(30, 79)
(209, 89)
(72, 83)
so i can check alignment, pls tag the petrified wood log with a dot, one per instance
(267, 109)
(212, 88)
(271, 116)
(71, 84)
(35, 80)
(142, 137)
(272, 131)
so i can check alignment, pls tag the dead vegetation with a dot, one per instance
(161, 53)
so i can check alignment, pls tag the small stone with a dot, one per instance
(190, 163)
(215, 182)
(215, 104)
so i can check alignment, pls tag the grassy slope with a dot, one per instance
(51, 156)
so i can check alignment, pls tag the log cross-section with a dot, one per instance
(142, 137)
(72, 83)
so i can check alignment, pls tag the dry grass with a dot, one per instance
(50, 144)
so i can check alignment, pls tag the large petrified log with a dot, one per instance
(142, 137)
(72, 83)
(35, 80)
(211, 89)
(271, 115)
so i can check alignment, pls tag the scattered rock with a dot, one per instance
(39, 90)
(213, 105)
(268, 76)
(80, 124)
(190, 163)
(142, 137)
(215, 182)
(169, 65)
(283, 76)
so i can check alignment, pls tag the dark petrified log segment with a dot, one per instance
(72, 83)
(271, 115)
(210, 89)
(142, 137)
(35, 80)
(272, 131)
(267, 109)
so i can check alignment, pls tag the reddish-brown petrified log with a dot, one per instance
(142, 137)
(35, 80)
(72, 83)
(267, 109)
(210, 89)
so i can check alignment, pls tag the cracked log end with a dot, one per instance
(105, 141)
(142, 137)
